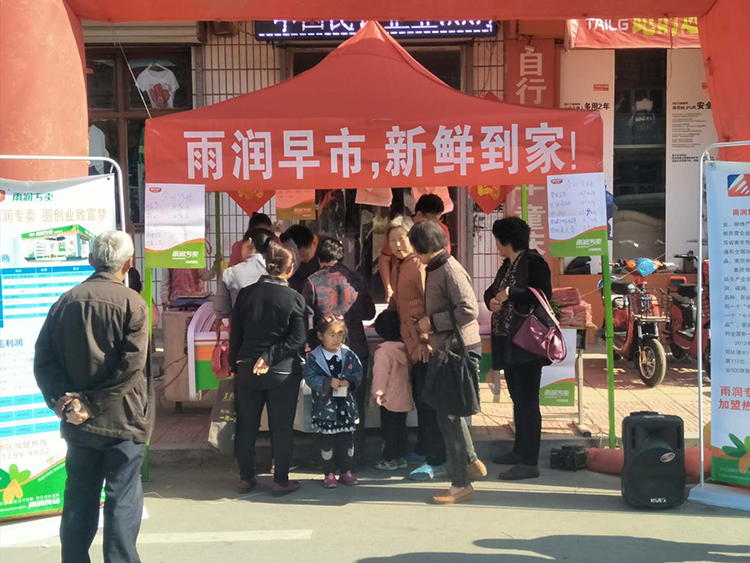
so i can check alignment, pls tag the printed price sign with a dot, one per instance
(577, 214)
(175, 226)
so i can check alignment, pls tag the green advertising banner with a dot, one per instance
(558, 383)
(175, 226)
(47, 229)
(577, 215)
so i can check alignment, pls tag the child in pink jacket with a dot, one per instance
(391, 391)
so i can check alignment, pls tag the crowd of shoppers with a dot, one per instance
(274, 292)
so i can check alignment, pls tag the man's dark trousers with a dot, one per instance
(94, 461)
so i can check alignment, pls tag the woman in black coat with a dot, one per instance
(265, 353)
(521, 269)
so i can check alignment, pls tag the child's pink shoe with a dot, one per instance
(330, 481)
(348, 479)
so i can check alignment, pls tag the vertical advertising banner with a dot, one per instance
(577, 214)
(728, 195)
(46, 231)
(175, 226)
(690, 129)
(536, 204)
(558, 386)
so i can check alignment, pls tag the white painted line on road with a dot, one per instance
(206, 537)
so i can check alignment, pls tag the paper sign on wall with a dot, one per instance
(175, 226)
(577, 214)
(295, 205)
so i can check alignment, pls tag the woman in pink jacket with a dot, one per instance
(391, 391)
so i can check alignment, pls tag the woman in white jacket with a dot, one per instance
(247, 272)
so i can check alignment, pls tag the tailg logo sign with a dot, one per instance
(666, 458)
(660, 500)
(738, 185)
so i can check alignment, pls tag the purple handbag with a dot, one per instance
(543, 339)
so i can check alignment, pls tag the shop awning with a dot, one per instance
(368, 116)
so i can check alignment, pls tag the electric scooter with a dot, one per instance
(637, 311)
(681, 333)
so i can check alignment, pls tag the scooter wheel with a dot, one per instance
(651, 363)
(677, 352)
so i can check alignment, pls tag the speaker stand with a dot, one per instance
(721, 495)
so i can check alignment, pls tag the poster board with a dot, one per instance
(577, 215)
(728, 195)
(175, 226)
(46, 230)
(558, 384)
(295, 205)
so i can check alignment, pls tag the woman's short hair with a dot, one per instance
(258, 221)
(279, 259)
(330, 250)
(331, 320)
(512, 231)
(430, 204)
(111, 250)
(399, 222)
(427, 237)
(260, 238)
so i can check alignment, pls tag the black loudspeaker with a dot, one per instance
(653, 474)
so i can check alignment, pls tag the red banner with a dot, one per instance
(488, 198)
(371, 117)
(530, 72)
(634, 33)
(251, 201)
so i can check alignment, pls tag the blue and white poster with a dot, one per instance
(728, 200)
(46, 230)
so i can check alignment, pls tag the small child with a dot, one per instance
(333, 372)
(391, 391)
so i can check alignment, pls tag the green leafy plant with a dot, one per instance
(740, 449)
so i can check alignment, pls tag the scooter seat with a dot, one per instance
(688, 333)
(688, 290)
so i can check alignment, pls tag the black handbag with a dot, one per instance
(451, 383)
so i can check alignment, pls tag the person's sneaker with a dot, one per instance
(508, 458)
(477, 470)
(348, 479)
(416, 459)
(428, 472)
(385, 465)
(519, 472)
(246, 486)
(330, 481)
(281, 489)
(403, 463)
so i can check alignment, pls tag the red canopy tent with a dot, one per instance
(368, 116)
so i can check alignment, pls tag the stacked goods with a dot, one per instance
(573, 311)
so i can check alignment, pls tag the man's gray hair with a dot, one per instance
(111, 250)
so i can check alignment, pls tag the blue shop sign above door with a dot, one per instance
(285, 30)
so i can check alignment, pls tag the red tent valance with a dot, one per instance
(368, 116)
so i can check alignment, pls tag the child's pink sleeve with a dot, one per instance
(381, 370)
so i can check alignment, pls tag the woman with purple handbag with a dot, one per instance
(512, 301)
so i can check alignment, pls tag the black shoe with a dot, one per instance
(246, 486)
(520, 472)
(509, 458)
(279, 489)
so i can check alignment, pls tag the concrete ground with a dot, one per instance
(580, 517)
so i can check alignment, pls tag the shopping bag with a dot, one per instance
(223, 419)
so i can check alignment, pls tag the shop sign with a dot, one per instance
(728, 197)
(295, 205)
(175, 226)
(632, 33)
(285, 30)
(577, 215)
(530, 72)
(47, 229)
